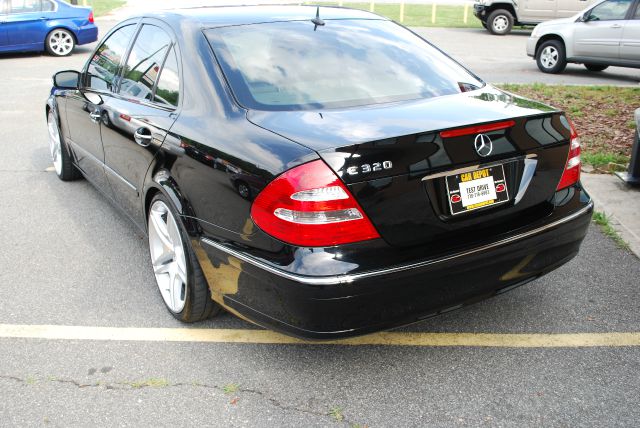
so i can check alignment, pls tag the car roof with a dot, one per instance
(219, 16)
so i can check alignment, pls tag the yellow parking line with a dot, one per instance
(560, 340)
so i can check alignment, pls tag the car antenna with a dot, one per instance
(317, 21)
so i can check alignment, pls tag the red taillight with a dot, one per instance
(571, 174)
(479, 129)
(309, 206)
(91, 17)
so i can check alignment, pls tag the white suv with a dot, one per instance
(603, 35)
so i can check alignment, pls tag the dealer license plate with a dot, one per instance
(477, 189)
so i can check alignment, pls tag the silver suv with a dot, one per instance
(499, 16)
(603, 35)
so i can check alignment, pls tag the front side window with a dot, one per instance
(103, 68)
(345, 63)
(144, 63)
(611, 10)
(24, 6)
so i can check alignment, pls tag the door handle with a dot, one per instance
(616, 26)
(142, 136)
(95, 116)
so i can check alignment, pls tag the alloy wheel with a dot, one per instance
(61, 42)
(55, 146)
(168, 256)
(549, 57)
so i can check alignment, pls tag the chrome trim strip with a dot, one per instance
(476, 167)
(345, 279)
(529, 170)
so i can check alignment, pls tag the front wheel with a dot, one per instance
(180, 280)
(500, 22)
(62, 163)
(60, 42)
(551, 57)
(596, 67)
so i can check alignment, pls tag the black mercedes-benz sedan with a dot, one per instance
(323, 172)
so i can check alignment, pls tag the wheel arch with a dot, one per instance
(162, 182)
(62, 27)
(546, 38)
(506, 6)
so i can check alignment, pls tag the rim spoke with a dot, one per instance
(161, 228)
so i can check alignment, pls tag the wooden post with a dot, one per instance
(465, 19)
(372, 6)
(433, 13)
(402, 11)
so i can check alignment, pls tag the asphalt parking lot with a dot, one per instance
(561, 351)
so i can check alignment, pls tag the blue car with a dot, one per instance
(38, 25)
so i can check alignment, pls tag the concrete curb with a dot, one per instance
(620, 202)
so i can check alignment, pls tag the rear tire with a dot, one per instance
(551, 57)
(500, 22)
(60, 42)
(180, 279)
(596, 67)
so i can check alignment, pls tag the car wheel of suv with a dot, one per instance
(500, 22)
(60, 42)
(551, 57)
(60, 156)
(596, 67)
(182, 284)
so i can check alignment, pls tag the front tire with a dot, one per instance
(596, 67)
(179, 277)
(60, 42)
(62, 162)
(500, 22)
(551, 57)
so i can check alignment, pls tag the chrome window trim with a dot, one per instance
(345, 279)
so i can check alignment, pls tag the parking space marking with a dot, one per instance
(253, 336)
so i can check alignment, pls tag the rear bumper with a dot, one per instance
(328, 307)
(87, 34)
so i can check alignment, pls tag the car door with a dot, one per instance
(3, 28)
(600, 34)
(26, 24)
(137, 117)
(630, 46)
(84, 113)
(537, 10)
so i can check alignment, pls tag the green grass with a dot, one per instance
(418, 15)
(102, 7)
(602, 159)
(603, 221)
(151, 383)
(603, 116)
(231, 388)
(336, 413)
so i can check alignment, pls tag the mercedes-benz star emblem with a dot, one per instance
(484, 145)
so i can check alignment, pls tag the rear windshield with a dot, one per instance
(345, 63)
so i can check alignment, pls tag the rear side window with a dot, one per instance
(24, 6)
(103, 68)
(611, 10)
(168, 88)
(345, 63)
(48, 6)
(144, 63)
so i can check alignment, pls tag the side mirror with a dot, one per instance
(68, 79)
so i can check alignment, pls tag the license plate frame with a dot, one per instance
(481, 176)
